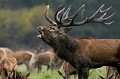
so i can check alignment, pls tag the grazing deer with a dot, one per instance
(24, 57)
(32, 62)
(15, 75)
(19, 75)
(8, 63)
(82, 54)
(68, 71)
(47, 58)
(42, 58)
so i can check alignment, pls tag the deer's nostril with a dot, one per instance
(40, 28)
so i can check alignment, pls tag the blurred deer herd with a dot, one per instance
(9, 61)
(53, 58)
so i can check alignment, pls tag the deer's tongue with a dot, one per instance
(39, 36)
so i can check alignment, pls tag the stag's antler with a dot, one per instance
(47, 17)
(60, 21)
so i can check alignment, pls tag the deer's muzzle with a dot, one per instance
(40, 30)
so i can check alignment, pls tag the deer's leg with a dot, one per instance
(110, 72)
(29, 68)
(14, 72)
(39, 68)
(118, 70)
(67, 76)
(4, 73)
(48, 67)
(80, 74)
(83, 73)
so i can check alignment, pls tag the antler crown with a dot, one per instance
(61, 16)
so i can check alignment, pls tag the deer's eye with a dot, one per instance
(52, 29)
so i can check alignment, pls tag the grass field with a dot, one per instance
(54, 74)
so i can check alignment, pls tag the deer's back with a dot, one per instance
(99, 51)
(44, 57)
(22, 56)
(7, 50)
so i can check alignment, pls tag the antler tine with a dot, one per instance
(59, 20)
(82, 7)
(101, 19)
(65, 14)
(71, 18)
(99, 10)
(57, 13)
(47, 17)
(102, 11)
(62, 16)
(82, 13)
(92, 19)
(60, 12)
(108, 23)
(105, 19)
(109, 17)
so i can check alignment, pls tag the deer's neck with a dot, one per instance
(64, 46)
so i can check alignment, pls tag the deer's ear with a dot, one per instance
(67, 29)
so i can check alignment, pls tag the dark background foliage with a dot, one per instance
(20, 18)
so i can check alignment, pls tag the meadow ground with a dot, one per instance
(54, 74)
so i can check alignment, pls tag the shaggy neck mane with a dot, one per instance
(64, 45)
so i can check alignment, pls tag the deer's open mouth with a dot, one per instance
(40, 35)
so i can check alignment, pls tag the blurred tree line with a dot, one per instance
(20, 18)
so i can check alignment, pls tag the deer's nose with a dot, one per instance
(40, 28)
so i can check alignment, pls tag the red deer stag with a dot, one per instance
(68, 71)
(47, 58)
(82, 54)
(24, 57)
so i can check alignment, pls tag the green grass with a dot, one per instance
(54, 74)
(43, 75)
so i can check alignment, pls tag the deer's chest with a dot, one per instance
(62, 55)
(79, 62)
